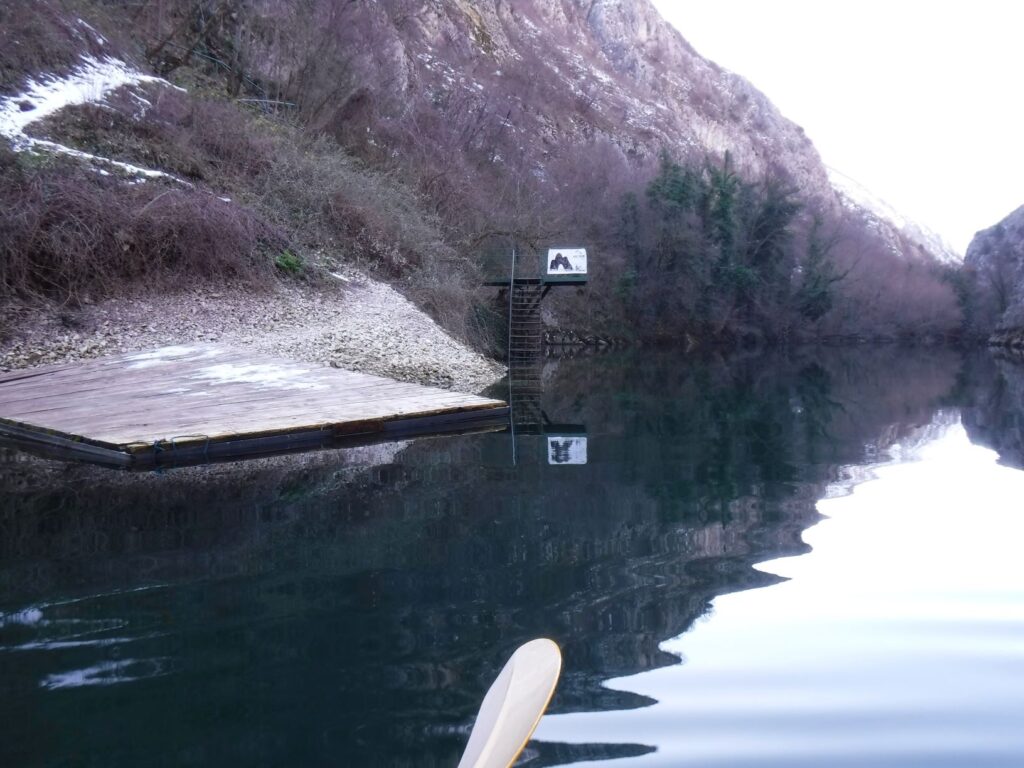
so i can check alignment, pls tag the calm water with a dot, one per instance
(771, 561)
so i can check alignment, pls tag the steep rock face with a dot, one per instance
(569, 71)
(554, 74)
(527, 82)
(994, 266)
(534, 119)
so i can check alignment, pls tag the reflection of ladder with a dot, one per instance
(524, 352)
(525, 400)
(524, 338)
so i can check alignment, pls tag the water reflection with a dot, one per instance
(311, 610)
(994, 412)
(896, 642)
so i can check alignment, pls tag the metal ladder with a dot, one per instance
(524, 353)
(525, 331)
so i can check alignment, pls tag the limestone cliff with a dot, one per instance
(459, 125)
(553, 74)
(994, 269)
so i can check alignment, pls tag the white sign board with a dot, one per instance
(567, 261)
(567, 450)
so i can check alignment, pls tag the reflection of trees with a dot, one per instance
(311, 609)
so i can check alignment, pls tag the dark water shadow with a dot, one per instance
(992, 389)
(314, 610)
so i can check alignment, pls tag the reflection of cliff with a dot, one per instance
(303, 608)
(994, 417)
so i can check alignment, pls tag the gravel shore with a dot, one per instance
(359, 324)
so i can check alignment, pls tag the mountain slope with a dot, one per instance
(499, 122)
(994, 268)
(555, 73)
(862, 201)
(608, 68)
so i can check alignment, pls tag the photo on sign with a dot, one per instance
(567, 261)
(567, 450)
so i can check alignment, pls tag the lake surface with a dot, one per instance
(786, 560)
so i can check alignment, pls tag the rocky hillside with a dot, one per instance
(569, 72)
(582, 97)
(994, 270)
(417, 140)
(550, 75)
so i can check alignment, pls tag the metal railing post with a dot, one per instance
(511, 290)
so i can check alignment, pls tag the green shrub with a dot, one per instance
(288, 262)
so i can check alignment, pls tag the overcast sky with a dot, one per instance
(920, 101)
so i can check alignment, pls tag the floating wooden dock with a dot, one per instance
(197, 403)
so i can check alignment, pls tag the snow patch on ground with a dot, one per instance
(90, 83)
(166, 354)
(100, 39)
(264, 374)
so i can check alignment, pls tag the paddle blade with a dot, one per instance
(513, 706)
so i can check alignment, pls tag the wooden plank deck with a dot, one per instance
(204, 402)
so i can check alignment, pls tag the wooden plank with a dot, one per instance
(219, 432)
(212, 424)
(228, 401)
(226, 395)
(170, 378)
(220, 428)
(291, 443)
(206, 394)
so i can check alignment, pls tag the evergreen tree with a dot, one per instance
(815, 294)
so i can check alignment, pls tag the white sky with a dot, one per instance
(919, 101)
